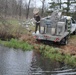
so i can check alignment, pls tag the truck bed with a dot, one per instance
(55, 38)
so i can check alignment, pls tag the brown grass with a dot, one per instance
(71, 47)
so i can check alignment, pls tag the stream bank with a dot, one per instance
(18, 62)
(63, 54)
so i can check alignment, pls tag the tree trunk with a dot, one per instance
(42, 12)
(68, 4)
(28, 8)
(6, 8)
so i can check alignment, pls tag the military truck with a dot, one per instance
(56, 28)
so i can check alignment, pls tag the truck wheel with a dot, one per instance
(75, 32)
(64, 41)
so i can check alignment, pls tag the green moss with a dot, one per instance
(54, 54)
(70, 60)
(17, 44)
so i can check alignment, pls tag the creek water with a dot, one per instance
(18, 62)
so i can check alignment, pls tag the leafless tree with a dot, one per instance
(6, 7)
(1, 6)
(43, 6)
(20, 8)
(27, 8)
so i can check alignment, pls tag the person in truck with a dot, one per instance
(37, 19)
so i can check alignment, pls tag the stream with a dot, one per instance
(18, 62)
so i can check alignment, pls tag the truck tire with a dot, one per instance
(75, 32)
(64, 41)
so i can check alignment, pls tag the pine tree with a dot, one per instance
(58, 4)
(69, 3)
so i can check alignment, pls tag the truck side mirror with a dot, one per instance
(73, 21)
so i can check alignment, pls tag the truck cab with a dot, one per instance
(73, 25)
(70, 22)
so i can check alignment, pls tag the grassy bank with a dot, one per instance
(45, 50)
(14, 43)
(56, 54)
(11, 28)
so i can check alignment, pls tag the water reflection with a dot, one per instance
(17, 62)
(41, 66)
(14, 62)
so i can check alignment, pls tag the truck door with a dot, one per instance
(73, 25)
